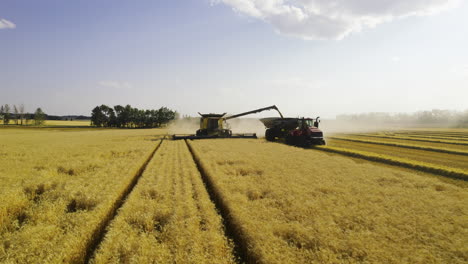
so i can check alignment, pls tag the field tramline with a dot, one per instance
(168, 217)
(314, 214)
(74, 195)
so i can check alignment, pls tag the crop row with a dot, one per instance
(452, 133)
(168, 217)
(437, 158)
(454, 142)
(436, 137)
(428, 136)
(407, 163)
(401, 145)
(59, 189)
(291, 205)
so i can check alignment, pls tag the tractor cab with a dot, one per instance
(305, 123)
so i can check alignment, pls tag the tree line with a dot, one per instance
(18, 115)
(130, 117)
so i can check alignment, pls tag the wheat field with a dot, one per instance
(83, 195)
(329, 209)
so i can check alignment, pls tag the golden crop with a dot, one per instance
(67, 123)
(75, 195)
(448, 160)
(407, 163)
(168, 218)
(405, 141)
(292, 205)
(59, 188)
(454, 141)
(402, 145)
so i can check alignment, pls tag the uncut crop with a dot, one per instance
(292, 205)
(59, 187)
(168, 217)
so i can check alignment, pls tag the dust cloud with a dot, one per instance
(247, 125)
(184, 126)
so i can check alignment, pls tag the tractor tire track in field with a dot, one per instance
(102, 229)
(400, 145)
(395, 161)
(411, 139)
(232, 231)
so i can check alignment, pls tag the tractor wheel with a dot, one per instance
(270, 134)
(289, 140)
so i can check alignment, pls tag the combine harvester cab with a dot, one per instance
(302, 132)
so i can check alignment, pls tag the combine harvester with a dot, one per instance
(303, 132)
(214, 126)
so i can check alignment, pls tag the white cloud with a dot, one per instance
(4, 24)
(325, 19)
(115, 84)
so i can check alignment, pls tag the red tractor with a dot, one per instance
(301, 132)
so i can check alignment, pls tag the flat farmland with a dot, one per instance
(77, 195)
(429, 156)
(59, 188)
(303, 206)
(449, 157)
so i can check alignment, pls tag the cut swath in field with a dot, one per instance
(406, 163)
(436, 137)
(401, 145)
(55, 204)
(293, 205)
(454, 142)
(168, 217)
(460, 134)
(439, 159)
(418, 143)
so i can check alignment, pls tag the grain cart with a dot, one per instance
(214, 126)
(302, 132)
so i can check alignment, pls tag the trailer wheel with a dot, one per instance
(270, 134)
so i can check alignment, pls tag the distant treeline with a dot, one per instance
(434, 117)
(18, 115)
(67, 117)
(127, 116)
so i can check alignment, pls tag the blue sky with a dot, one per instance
(235, 55)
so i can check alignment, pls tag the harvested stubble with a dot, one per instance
(450, 161)
(447, 133)
(304, 206)
(418, 143)
(436, 137)
(454, 142)
(402, 145)
(168, 217)
(59, 188)
(406, 163)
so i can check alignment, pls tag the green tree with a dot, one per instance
(39, 117)
(16, 111)
(21, 112)
(6, 114)
(97, 117)
(2, 112)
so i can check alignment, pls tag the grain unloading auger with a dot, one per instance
(213, 125)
